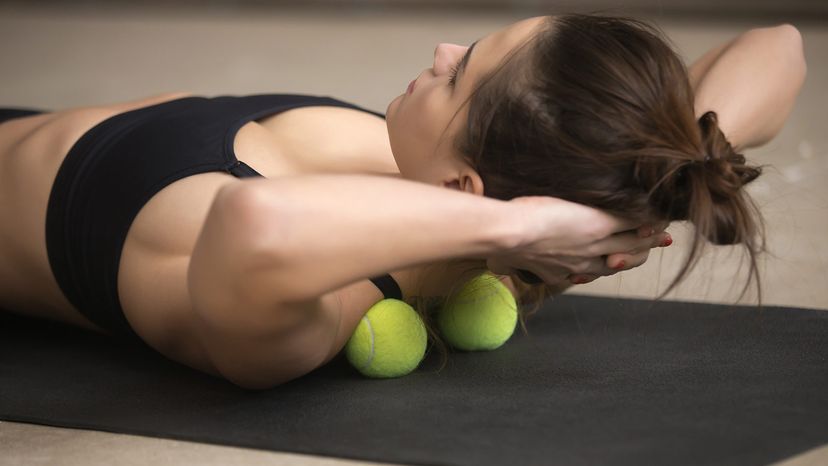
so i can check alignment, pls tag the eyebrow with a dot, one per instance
(462, 67)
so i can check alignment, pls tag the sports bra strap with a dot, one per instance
(389, 287)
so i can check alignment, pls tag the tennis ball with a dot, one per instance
(481, 316)
(390, 340)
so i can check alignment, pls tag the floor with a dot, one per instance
(57, 58)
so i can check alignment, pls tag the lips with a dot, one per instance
(411, 86)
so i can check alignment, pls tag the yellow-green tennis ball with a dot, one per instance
(481, 316)
(390, 340)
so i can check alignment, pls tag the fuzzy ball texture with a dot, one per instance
(390, 340)
(481, 316)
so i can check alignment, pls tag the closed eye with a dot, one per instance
(453, 74)
(457, 69)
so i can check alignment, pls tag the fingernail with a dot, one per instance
(667, 241)
(620, 265)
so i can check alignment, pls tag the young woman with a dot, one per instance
(246, 236)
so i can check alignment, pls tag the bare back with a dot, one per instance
(152, 281)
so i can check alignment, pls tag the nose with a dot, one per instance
(446, 56)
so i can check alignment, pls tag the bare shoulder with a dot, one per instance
(355, 141)
(125, 106)
(302, 126)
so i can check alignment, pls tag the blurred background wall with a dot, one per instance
(681, 7)
(60, 53)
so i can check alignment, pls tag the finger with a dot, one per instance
(645, 231)
(649, 229)
(620, 224)
(580, 279)
(594, 267)
(620, 261)
(625, 261)
(610, 265)
(629, 243)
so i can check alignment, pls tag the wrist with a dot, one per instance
(507, 229)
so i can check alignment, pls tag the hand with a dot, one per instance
(566, 241)
(621, 261)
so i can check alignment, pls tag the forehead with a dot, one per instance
(488, 53)
(492, 50)
(520, 30)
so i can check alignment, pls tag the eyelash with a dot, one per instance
(453, 74)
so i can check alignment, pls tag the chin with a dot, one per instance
(392, 106)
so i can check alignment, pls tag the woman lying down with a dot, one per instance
(247, 236)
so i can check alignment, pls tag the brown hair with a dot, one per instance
(599, 110)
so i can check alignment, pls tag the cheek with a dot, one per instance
(418, 119)
(414, 126)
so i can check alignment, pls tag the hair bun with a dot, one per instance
(724, 168)
(722, 172)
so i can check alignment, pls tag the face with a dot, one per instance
(421, 122)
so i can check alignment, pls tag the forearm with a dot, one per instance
(751, 83)
(323, 232)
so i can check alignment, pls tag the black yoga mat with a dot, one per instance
(598, 381)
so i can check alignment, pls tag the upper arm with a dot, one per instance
(784, 40)
(250, 341)
(752, 83)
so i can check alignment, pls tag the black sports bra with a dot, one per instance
(119, 164)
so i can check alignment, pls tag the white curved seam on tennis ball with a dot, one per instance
(370, 332)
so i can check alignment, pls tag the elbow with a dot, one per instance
(784, 44)
(790, 57)
(270, 353)
(779, 55)
(264, 369)
(791, 42)
(254, 382)
(788, 34)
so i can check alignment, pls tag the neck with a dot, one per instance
(433, 280)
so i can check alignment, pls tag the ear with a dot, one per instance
(466, 180)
